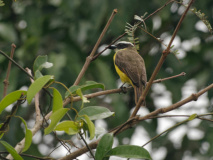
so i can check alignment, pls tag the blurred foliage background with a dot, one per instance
(66, 31)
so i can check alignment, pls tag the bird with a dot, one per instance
(130, 66)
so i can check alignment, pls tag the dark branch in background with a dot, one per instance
(27, 155)
(160, 63)
(20, 67)
(85, 142)
(6, 81)
(14, 62)
(90, 57)
(97, 55)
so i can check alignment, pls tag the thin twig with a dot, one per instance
(96, 56)
(88, 147)
(160, 63)
(89, 58)
(122, 35)
(168, 78)
(198, 117)
(165, 131)
(6, 81)
(159, 9)
(14, 62)
(20, 67)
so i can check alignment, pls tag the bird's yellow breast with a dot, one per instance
(124, 78)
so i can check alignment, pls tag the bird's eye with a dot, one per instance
(121, 46)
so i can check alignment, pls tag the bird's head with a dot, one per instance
(122, 45)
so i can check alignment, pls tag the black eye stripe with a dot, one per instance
(123, 45)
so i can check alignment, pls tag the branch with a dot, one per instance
(6, 81)
(160, 63)
(112, 91)
(89, 58)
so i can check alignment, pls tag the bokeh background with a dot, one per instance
(66, 31)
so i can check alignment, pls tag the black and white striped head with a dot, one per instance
(122, 45)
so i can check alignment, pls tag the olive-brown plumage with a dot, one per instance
(130, 67)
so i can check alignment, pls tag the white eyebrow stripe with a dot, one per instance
(125, 42)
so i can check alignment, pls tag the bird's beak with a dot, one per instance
(112, 47)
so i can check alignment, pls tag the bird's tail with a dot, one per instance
(138, 92)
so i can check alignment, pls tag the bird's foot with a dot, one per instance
(123, 89)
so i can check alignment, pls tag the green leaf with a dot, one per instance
(28, 140)
(84, 99)
(129, 151)
(37, 86)
(88, 85)
(91, 85)
(11, 150)
(70, 127)
(90, 125)
(11, 98)
(104, 146)
(193, 116)
(96, 112)
(57, 100)
(55, 118)
(40, 63)
(28, 135)
(72, 89)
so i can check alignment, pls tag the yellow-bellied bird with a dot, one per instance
(130, 66)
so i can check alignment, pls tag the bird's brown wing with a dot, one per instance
(132, 64)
